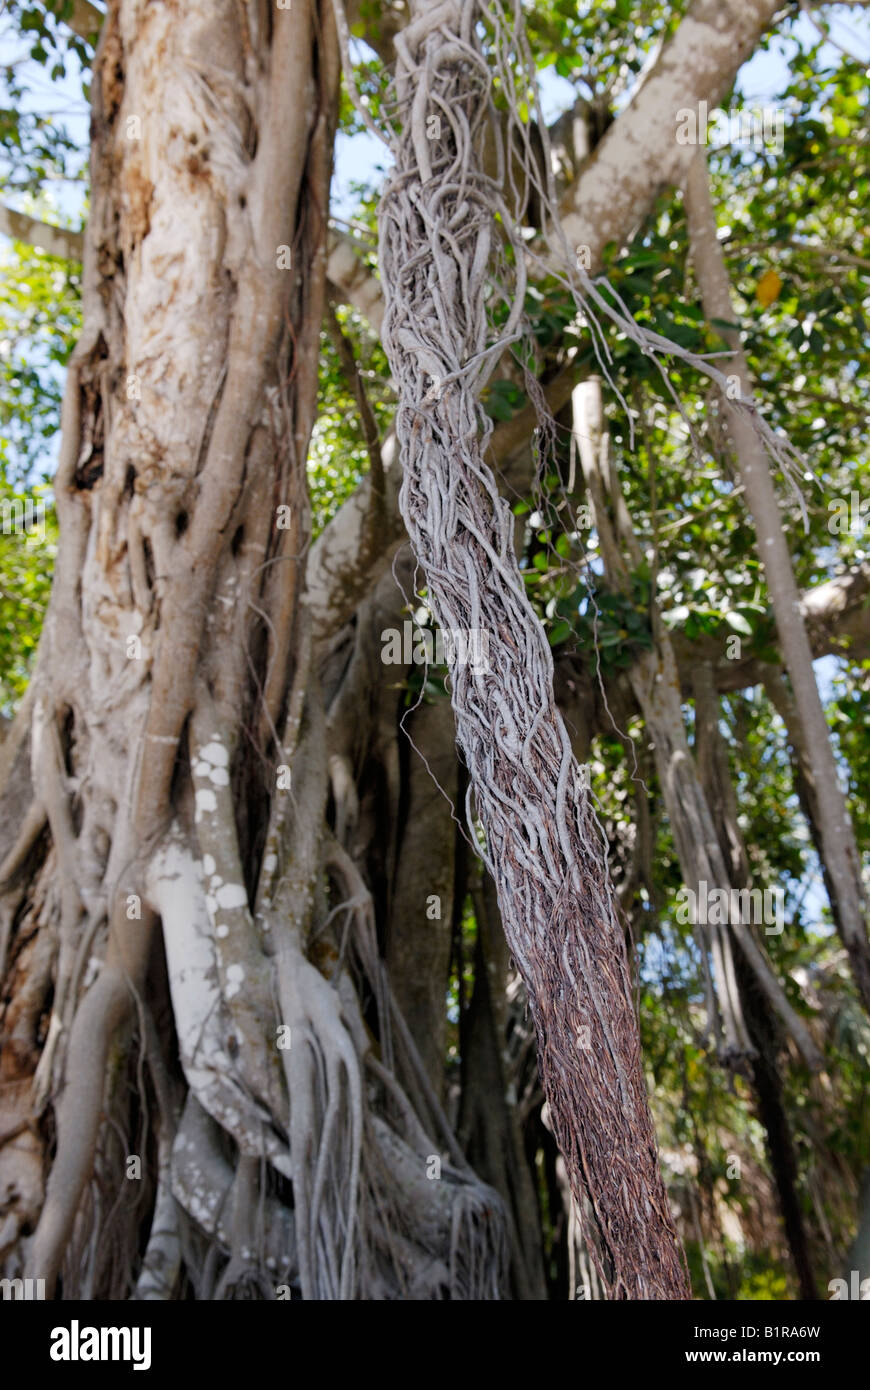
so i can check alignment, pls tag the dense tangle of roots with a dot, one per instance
(439, 218)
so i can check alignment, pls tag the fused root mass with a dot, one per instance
(208, 1086)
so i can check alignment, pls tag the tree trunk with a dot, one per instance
(780, 695)
(184, 924)
(840, 851)
(656, 685)
(487, 1123)
(762, 1024)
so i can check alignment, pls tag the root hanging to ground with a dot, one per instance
(437, 229)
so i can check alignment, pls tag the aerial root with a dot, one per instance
(161, 1263)
(326, 1117)
(78, 1119)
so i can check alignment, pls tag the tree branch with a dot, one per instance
(57, 241)
(357, 285)
(640, 154)
(837, 617)
(86, 20)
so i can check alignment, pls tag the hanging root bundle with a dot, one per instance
(439, 221)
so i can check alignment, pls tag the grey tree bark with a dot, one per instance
(839, 850)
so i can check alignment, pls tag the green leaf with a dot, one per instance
(559, 633)
(738, 622)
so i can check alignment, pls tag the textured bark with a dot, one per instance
(418, 947)
(157, 863)
(164, 491)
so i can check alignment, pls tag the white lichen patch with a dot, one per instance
(206, 802)
(208, 865)
(212, 762)
(215, 753)
(218, 775)
(231, 895)
(235, 976)
(174, 884)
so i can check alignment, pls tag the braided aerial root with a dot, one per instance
(439, 219)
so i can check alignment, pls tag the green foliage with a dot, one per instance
(338, 458)
(587, 44)
(39, 319)
(612, 628)
(36, 147)
(502, 399)
(26, 563)
(39, 322)
(761, 1284)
